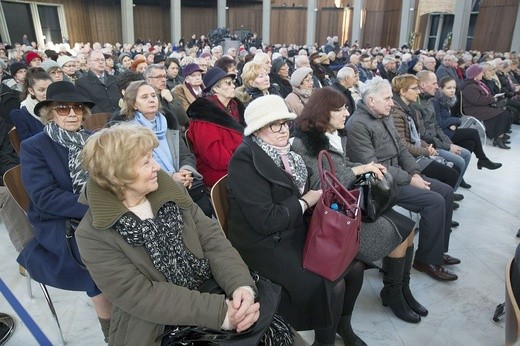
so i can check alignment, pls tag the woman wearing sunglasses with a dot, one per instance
(54, 178)
(216, 125)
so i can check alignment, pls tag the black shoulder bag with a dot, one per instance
(270, 329)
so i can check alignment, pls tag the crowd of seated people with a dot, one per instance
(197, 114)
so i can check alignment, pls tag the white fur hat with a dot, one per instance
(265, 110)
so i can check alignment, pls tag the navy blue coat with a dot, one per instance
(26, 125)
(45, 175)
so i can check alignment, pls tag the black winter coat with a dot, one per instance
(266, 226)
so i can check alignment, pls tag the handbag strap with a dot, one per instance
(320, 164)
(335, 185)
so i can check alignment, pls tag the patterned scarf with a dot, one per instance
(74, 141)
(162, 239)
(287, 160)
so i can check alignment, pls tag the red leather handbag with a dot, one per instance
(332, 239)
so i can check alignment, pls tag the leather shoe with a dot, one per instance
(465, 185)
(455, 206)
(449, 260)
(458, 197)
(454, 224)
(487, 163)
(437, 272)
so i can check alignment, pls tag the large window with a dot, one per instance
(40, 22)
(475, 8)
(439, 26)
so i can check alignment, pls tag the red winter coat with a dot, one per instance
(214, 135)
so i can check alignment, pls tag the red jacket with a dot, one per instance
(214, 137)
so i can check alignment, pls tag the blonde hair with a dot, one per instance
(403, 82)
(111, 155)
(250, 71)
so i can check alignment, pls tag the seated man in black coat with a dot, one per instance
(99, 86)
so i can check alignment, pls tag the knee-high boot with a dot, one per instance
(347, 333)
(407, 293)
(392, 293)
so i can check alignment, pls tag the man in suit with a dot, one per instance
(99, 86)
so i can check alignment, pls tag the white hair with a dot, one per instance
(345, 72)
(374, 86)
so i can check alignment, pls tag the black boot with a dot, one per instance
(347, 333)
(392, 293)
(487, 163)
(464, 184)
(317, 343)
(499, 142)
(407, 293)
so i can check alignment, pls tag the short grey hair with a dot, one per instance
(374, 86)
(345, 72)
(152, 68)
(299, 59)
(387, 59)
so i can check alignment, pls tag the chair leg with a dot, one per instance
(28, 284)
(53, 311)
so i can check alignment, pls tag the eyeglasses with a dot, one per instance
(340, 110)
(367, 60)
(69, 65)
(158, 77)
(98, 60)
(64, 110)
(277, 127)
(228, 82)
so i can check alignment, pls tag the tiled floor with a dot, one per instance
(460, 312)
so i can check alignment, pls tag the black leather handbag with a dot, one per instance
(269, 329)
(378, 195)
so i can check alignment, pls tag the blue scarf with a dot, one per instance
(161, 154)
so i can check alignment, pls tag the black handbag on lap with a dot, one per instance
(270, 329)
(378, 195)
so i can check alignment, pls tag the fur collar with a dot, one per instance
(445, 101)
(204, 110)
(315, 141)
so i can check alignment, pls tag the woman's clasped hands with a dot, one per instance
(242, 312)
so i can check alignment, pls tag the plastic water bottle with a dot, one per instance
(334, 206)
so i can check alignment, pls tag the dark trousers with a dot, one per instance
(442, 173)
(436, 209)
(469, 138)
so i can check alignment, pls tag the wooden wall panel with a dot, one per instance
(105, 21)
(329, 22)
(288, 25)
(382, 23)
(245, 18)
(152, 23)
(198, 20)
(495, 25)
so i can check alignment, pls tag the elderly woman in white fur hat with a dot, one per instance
(302, 84)
(268, 195)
